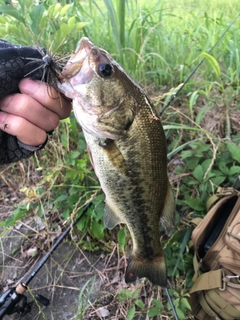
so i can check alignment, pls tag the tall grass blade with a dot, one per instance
(182, 248)
(180, 148)
(213, 62)
(114, 23)
(121, 20)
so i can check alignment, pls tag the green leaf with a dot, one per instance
(25, 4)
(180, 314)
(136, 293)
(71, 24)
(140, 304)
(185, 304)
(152, 312)
(80, 25)
(36, 15)
(74, 154)
(16, 215)
(195, 204)
(234, 170)
(56, 9)
(11, 11)
(223, 168)
(218, 180)
(65, 9)
(235, 151)
(83, 223)
(158, 304)
(206, 164)
(66, 213)
(198, 173)
(186, 154)
(131, 313)
(124, 295)
(66, 120)
(122, 238)
(61, 198)
(192, 101)
(213, 62)
(97, 229)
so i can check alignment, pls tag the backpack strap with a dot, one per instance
(208, 280)
(221, 192)
(197, 309)
(206, 308)
(213, 280)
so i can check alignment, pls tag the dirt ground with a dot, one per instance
(79, 285)
(74, 281)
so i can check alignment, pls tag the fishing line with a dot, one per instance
(171, 303)
(195, 69)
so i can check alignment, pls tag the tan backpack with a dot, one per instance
(216, 240)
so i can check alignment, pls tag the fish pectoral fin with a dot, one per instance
(90, 156)
(168, 214)
(110, 218)
(115, 156)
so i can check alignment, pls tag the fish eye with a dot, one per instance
(105, 70)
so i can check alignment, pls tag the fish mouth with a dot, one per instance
(75, 63)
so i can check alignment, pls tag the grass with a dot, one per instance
(158, 43)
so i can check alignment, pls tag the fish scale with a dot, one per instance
(127, 148)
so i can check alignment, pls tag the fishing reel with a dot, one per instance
(13, 302)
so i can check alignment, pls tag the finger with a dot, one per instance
(47, 96)
(31, 110)
(24, 130)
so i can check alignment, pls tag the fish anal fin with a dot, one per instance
(110, 217)
(168, 214)
(154, 270)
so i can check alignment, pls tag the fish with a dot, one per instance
(128, 151)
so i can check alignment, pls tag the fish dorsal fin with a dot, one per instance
(110, 217)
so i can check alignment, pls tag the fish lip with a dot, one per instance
(82, 51)
(75, 63)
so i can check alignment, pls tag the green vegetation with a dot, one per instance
(158, 43)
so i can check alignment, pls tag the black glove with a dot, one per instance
(16, 63)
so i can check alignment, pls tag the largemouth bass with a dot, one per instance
(127, 148)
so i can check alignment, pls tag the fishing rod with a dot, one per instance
(171, 303)
(195, 69)
(13, 300)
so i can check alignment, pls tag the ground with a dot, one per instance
(78, 284)
(62, 279)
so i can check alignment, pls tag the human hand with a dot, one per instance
(33, 112)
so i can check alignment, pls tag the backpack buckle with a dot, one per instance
(226, 281)
(223, 288)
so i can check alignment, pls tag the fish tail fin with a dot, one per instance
(154, 270)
